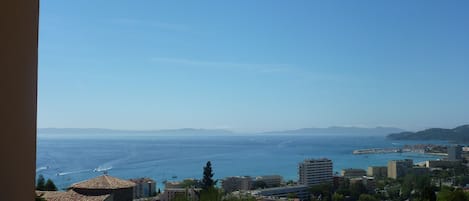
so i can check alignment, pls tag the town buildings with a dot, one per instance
(244, 183)
(237, 183)
(353, 173)
(181, 184)
(442, 163)
(315, 171)
(377, 171)
(420, 170)
(270, 180)
(300, 191)
(191, 194)
(398, 168)
(454, 152)
(144, 187)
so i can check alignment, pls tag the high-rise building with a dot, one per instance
(315, 171)
(454, 152)
(398, 168)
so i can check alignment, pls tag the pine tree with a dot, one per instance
(207, 181)
(41, 183)
(50, 186)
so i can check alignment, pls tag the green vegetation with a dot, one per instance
(357, 189)
(42, 185)
(322, 192)
(338, 197)
(50, 186)
(211, 194)
(207, 181)
(366, 197)
(449, 194)
(460, 134)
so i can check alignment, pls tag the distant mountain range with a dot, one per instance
(115, 131)
(460, 133)
(193, 131)
(337, 130)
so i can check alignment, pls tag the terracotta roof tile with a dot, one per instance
(104, 182)
(69, 196)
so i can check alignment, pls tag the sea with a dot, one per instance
(70, 159)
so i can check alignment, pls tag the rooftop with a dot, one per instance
(69, 196)
(104, 182)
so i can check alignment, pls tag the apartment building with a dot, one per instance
(315, 171)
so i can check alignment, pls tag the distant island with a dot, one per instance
(341, 130)
(335, 130)
(460, 134)
(116, 131)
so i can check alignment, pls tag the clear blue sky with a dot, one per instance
(253, 65)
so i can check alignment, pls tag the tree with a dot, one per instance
(428, 193)
(344, 187)
(366, 197)
(41, 183)
(50, 186)
(356, 189)
(322, 191)
(210, 194)
(447, 194)
(338, 197)
(207, 181)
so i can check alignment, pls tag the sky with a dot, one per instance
(251, 66)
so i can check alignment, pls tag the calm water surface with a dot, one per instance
(67, 160)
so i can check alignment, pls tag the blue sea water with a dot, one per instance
(67, 160)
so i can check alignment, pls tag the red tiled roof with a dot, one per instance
(104, 182)
(69, 196)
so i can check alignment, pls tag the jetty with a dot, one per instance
(377, 151)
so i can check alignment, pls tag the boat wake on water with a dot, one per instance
(102, 169)
(72, 172)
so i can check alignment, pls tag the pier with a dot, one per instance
(377, 151)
